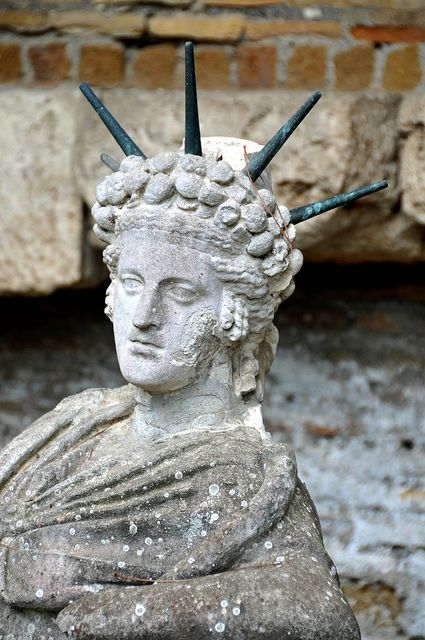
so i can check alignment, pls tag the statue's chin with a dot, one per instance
(157, 378)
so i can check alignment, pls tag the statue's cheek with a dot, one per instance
(197, 344)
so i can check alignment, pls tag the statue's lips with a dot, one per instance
(144, 346)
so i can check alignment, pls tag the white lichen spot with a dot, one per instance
(220, 627)
(178, 475)
(232, 492)
(224, 604)
(166, 494)
(148, 541)
(236, 611)
(213, 489)
(39, 593)
(268, 544)
(125, 548)
(72, 531)
(244, 503)
(78, 517)
(132, 529)
(203, 533)
(280, 559)
(214, 517)
(191, 560)
(279, 525)
(121, 564)
(139, 609)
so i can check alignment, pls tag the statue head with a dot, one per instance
(200, 258)
(200, 255)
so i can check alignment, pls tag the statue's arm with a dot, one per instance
(298, 599)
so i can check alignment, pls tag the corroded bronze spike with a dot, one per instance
(129, 147)
(300, 214)
(110, 162)
(192, 136)
(259, 162)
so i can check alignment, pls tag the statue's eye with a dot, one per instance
(131, 284)
(181, 294)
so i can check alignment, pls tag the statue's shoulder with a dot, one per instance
(69, 420)
(90, 399)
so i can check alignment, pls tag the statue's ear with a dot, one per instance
(233, 321)
(109, 300)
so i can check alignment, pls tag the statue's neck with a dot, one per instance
(209, 403)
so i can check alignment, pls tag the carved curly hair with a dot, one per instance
(208, 205)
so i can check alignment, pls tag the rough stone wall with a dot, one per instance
(256, 60)
(346, 390)
(51, 168)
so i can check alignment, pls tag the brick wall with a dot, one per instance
(348, 45)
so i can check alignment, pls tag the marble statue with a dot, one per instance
(162, 510)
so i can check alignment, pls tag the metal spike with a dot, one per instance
(300, 214)
(259, 162)
(192, 136)
(110, 162)
(129, 147)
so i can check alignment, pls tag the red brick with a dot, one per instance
(402, 70)
(383, 33)
(354, 68)
(256, 66)
(154, 67)
(306, 67)
(10, 62)
(212, 68)
(101, 64)
(50, 62)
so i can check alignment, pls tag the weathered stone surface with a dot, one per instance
(347, 141)
(412, 158)
(41, 238)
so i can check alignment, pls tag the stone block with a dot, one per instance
(41, 213)
(24, 21)
(402, 70)
(170, 3)
(10, 62)
(49, 62)
(412, 158)
(306, 67)
(256, 66)
(101, 64)
(259, 29)
(241, 3)
(354, 68)
(118, 24)
(210, 28)
(154, 67)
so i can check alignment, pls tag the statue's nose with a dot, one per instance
(147, 312)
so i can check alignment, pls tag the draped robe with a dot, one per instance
(86, 508)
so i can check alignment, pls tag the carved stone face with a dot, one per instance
(166, 306)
